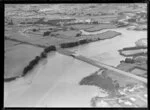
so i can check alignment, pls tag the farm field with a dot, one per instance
(8, 44)
(18, 57)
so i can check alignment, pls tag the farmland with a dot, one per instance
(31, 28)
(18, 57)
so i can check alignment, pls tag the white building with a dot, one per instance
(88, 20)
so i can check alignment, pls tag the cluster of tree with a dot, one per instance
(34, 30)
(10, 22)
(31, 65)
(51, 22)
(69, 44)
(132, 20)
(95, 22)
(43, 55)
(129, 60)
(10, 79)
(46, 33)
(50, 48)
(78, 34)
(36, 60)
(72, 44)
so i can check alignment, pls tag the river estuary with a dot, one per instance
(56, 83)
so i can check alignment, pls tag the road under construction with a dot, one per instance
(101, 65)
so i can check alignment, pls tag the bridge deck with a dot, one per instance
(102, 65)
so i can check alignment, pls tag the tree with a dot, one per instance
(95, 22)
(11, 22)
(34, 30)
(26, 70)
(43, 55)
(46, 33)
(50, 48)
(78, 34)
(129, 60)
(132, 20)
(83, 41)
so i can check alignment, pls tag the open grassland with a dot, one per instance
(81, 26)
(57, 37)
(104, 35)
(8, 44)
(100, 27)
(66, 34)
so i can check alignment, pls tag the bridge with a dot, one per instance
(102, 65)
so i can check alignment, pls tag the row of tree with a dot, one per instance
(31, 65)
(36, 60)
(10, 79)
(129, 60)
(69, 44)
(72, 44)
(47, 33)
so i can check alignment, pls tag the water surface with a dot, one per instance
(56, 84)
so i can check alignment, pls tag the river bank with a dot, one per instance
(35, 61)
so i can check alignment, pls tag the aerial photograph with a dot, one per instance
(75, 55)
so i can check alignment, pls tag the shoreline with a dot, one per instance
(101, 29)
(50, 48)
